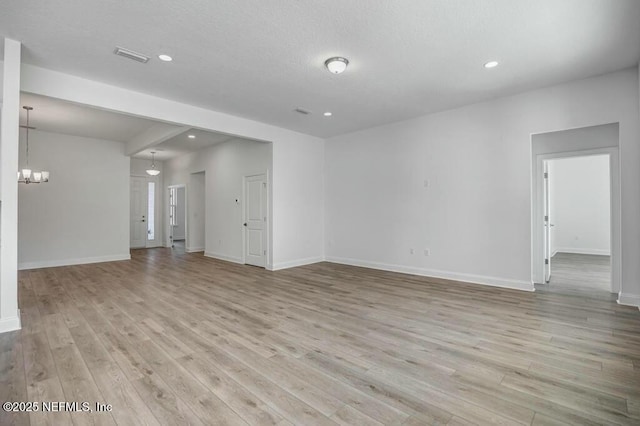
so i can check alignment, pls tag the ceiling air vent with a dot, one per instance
(130, 54)
(302, 111)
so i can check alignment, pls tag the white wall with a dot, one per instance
(224, 166)
(197, 211)
(580, 207)
(475, 213)
(82, 214)
(297, 175)
(9, 132)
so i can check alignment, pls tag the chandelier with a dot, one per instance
(152, 170)
(26, 175)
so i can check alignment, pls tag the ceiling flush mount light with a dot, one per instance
(26, 175)
(491, 64)
(165, 58)
(152, 170)
(191, 136)
(328, 114)
(336, 65)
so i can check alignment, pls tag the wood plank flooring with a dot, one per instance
(570, 271)
(171, 338)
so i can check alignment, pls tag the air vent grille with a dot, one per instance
(302, 111)
(130, 54)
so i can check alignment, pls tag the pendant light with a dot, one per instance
(152, 170)
(26, 175)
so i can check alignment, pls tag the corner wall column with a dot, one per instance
(9, 149)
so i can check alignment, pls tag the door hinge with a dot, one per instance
(546, 218)
(546, 175)
(546, 261)
(264, 184)
(265, 252)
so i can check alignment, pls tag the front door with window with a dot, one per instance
(142, 220)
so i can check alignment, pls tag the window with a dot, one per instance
(173, 204)
(151, 217)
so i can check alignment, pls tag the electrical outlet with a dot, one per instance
(427, 252)
(411, 251)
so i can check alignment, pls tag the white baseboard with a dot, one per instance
(294, 263)
(194, 249)
(455, 276)
(68, 262)
(11, 323)
(599, 252)
(629, 299)
(224, 257)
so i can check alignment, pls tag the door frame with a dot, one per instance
(157, 242)
(615, 211)
(267, 228)
(169, 242)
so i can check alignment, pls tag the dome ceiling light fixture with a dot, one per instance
(152, 171)
(336, 65)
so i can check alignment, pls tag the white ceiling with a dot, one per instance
(181, 144)
(262, 59)
(56, 116)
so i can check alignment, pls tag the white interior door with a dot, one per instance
(547, 225)
(255, 216)
(139, 208)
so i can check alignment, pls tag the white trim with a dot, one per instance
(266, 245)
(537, 213)
(224, 257)
(629, 299)
(10, 324)
(294, 263)
(599, 252)
(194, 249)
(455, 276)
(68, 262)
(169, 230)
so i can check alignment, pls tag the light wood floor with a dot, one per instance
(581, 271)
(181, 339)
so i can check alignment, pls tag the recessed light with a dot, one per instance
(336, 65)
(165, 58)
(327, 114)
(491, 64)
(191, 136)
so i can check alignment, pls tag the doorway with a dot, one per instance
(142, 231)
(577, 199)
(255, 220)
(600, 140)
(197, 212)
(178, 217)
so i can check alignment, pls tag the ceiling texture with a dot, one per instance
(182, 144)
(262, 59)
(56, 116)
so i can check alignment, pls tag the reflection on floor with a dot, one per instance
(179, 246)
(581, 272)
